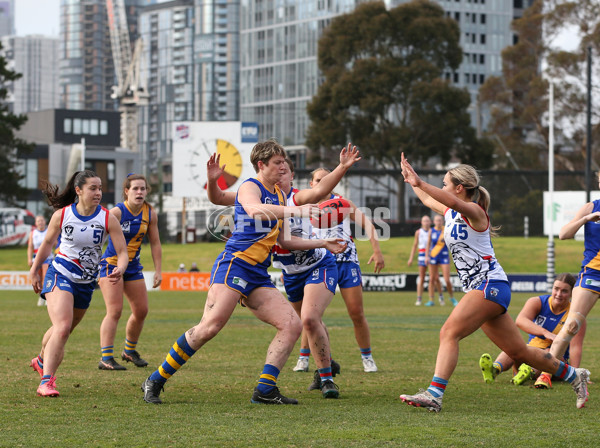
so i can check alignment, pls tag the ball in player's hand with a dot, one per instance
(333, 211)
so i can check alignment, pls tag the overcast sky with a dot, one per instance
(37, 17)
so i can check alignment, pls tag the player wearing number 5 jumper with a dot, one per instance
(464, 203)
(83, 225)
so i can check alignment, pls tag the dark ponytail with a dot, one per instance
(68, 195)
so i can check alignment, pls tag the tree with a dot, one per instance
(383, 88)
(518, 100)
(10, 190)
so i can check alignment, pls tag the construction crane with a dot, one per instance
(130, 90)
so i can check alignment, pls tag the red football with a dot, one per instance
(333, 211)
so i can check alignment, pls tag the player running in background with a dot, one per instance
(239, 275)
(420, 245)
(542, 318)
(33, 244)
(438, 256)
(464, 203)
(137, 219)
(83, 227)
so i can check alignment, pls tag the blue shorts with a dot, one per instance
(349, 274)
(497, 291)
(421, 259)
(441, 258)
(239, 275)
(82, 292)
(325, 271)
(133, 271)
(589, 279)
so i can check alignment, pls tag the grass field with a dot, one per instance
(515, 255)
(207, 403)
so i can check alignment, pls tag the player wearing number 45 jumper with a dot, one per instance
(464, 203)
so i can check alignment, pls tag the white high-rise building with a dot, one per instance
(35, 58)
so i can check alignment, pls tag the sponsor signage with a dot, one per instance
(200, 281)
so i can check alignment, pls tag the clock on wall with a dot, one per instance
(230, 156)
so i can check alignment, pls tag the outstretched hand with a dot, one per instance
(349, 156)
(213, 170)
(409, 174)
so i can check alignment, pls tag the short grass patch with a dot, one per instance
(208, 404)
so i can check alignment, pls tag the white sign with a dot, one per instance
(564, 207)
(195, 142)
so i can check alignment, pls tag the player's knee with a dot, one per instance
(574, 323)
(62, 332)
(140, 313)
(310, 322)
(114, 314)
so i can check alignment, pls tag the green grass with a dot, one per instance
(207, 403)
(515, 255)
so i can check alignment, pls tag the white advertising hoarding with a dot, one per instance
(563, 209)
(195, 142)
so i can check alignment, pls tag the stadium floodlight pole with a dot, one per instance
(82, 154)
(588, 146)
(550, 251)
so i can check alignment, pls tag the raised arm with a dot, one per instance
(583, 215)
(438, 200)
(155, 249)
(348, 157)
(214, 172)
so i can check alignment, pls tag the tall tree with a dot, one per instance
(10, 190)
(383, 88)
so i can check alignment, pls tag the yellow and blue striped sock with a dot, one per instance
(177, 357)
(130, 346)
(107, 352)
(497, 368)
(268, 379)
